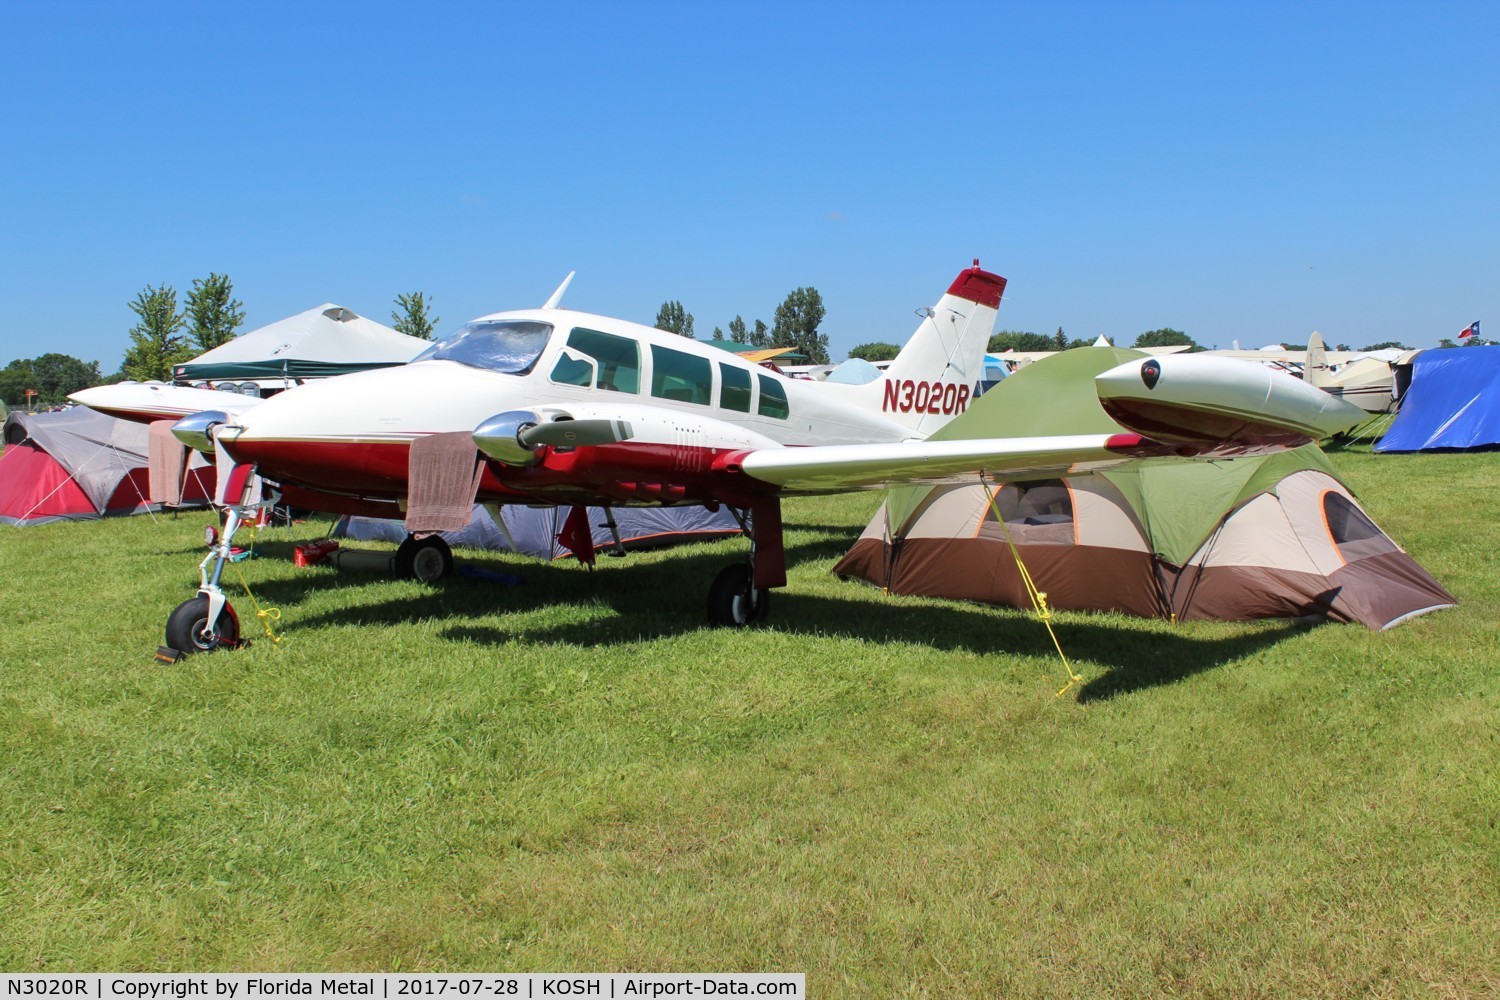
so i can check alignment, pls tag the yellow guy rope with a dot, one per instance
(1038, 599)
(266, 615)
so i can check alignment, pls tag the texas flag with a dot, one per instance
(1472, 330)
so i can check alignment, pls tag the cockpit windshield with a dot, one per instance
(508, 346)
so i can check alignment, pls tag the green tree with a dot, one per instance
(877, 350)
(761, 335)
(1020, 340)
(410, 316)
(53, 376)
(1166, 337)
(672, 318)
(213, 312)
(796, 325)
(155, 343)
(718, 334)
(1447, 342)
(738, 332)
(1396, 344)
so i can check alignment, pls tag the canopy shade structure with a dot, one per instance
(322, 342)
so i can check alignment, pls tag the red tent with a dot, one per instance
(79, 465)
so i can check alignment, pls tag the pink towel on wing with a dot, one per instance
(167, 464)
(443, 473)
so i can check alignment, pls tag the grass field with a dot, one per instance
(578, 774)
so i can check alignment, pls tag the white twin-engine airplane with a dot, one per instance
(561, 407)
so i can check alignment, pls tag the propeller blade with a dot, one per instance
(576, 433)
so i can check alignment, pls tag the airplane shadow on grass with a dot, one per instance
(667, 597)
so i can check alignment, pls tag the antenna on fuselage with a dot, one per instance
(553, 303)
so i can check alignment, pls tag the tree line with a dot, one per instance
(165, 335)
(794, 325)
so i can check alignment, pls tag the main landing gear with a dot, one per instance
(734, 601)
(741, 594)
(425, 559)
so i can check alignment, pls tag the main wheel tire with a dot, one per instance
(424, 559)
(733, 600)
(187, 627)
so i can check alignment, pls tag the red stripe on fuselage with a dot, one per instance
(636, 472)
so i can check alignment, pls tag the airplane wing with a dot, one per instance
(1184, 406)
(144, 402)
(838, 468)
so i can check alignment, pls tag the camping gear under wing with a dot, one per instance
(534, 531)
(1271, 536)
(1302, 547)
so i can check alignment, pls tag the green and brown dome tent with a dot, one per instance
(1266, 537)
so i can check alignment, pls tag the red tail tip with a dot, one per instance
(979, 286)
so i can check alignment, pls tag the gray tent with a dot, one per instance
(533, 531)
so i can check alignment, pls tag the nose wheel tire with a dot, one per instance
(424, 559)
(733, 600)
(187, 627)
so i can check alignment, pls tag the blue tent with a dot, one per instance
(1453, 402)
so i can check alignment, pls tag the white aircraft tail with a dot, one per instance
(1315, 369)
(933, 379)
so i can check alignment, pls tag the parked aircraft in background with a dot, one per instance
(1364, 378)
(554, 406)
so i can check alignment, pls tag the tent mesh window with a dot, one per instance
(1355, 535)
(1035, 513)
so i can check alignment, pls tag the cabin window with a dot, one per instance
(573, 368)
(619, 358)
(772, 398)
(684, 378)
(734, 388)
(1038, 512)
(510, 347)
(1355, 535)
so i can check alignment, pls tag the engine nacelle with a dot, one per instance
(196, 430)
(499, 437)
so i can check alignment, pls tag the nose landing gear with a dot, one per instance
(189, 631)
(206, 622)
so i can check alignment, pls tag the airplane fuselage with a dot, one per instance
(688, 405)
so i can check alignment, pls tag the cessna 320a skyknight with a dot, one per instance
(559, 407)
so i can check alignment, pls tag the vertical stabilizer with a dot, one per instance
(1315, 369)
(932, 380)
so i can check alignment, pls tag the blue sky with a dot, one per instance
(1238, 171)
